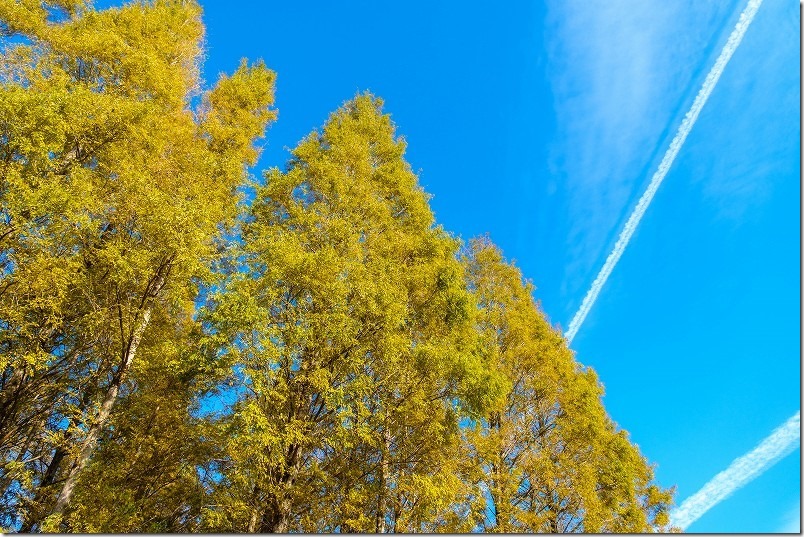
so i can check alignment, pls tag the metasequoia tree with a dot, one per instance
(349, 370)
(351, 336)
(112, 191)
(144, 475)
(550, 459)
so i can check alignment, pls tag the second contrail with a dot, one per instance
(742, 470)
(686, 126)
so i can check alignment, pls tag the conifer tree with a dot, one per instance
(349, 371)
(550, 459)
(352, 337)
(113, 190)
(145, 475)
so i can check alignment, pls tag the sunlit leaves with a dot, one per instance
(319, 357)
(114, 192)
(549, 460)
(358, 351)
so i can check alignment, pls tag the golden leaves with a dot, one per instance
(348, 371)
(551, 459)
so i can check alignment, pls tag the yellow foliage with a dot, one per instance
(361, 356)
(549, 460)
(349, 370)
(113, 192)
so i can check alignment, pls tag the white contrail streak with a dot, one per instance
(742, 470)
(686, 126)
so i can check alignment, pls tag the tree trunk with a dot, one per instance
(50, 477)
(9, 400)
(379, 523)
(257, 512)
(52, 471)
(252, 524)
(99, 424)
(276, 519)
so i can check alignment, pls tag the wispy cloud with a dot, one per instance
(623, 73)
(741, 471)
(675, 146)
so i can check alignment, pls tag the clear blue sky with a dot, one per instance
(541, 124)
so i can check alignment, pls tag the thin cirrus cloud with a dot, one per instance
(746, 17)
(785, 438)
(741, 471)
(620, 73)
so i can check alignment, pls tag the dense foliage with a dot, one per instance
(317, 356)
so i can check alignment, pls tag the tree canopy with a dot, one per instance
(317, 355)
(549, 459)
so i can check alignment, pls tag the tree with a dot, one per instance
(145, 475)
(550, 459)
(113, 191)
(350, 334)
(347, 371)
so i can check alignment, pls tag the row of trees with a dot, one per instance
(317, 355)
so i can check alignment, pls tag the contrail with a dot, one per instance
(742, 470)
(686, 126)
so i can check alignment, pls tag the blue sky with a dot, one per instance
(542, 124)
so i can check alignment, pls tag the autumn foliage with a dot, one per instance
(315, 356)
